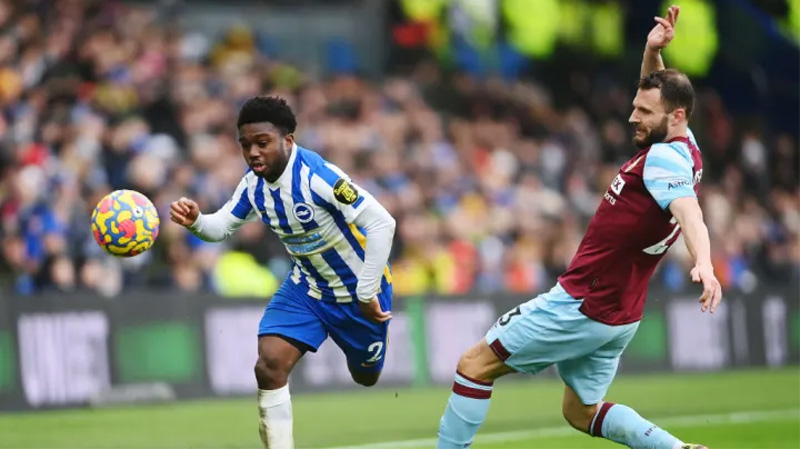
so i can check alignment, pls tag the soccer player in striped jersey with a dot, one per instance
(339, 238)
(583, 324)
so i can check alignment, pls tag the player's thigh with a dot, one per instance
(291, 314)
(590, 375)
(543, 331)
(363, 342)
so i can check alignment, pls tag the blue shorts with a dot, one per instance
(550, 329)
(292, 313)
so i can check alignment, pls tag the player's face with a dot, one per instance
(649, 118)
(264, 149)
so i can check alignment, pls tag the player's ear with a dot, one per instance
(679, 115)
(288, 139)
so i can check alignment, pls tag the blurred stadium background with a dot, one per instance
(489, 128)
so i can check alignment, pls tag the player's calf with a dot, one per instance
(276, 358)
(469, 402)
(616, 422)
(577, 414)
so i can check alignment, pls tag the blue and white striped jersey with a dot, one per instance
(314, 209)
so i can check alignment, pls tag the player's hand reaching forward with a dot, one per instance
(712, 291)
(372, 310)
(661, 34)
(184, 212)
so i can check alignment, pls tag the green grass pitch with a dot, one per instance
(742, 409)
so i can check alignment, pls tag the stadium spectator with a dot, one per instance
(491, 183)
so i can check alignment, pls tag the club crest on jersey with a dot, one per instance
(617, 184)
(303, 212)
(345, 192)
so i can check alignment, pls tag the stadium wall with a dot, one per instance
(73, 351)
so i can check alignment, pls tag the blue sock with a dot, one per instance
(622, 424)
(466, 410)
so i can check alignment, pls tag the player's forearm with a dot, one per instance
(380, 227)
(698, 242)
(215, 227)
(651, 61)
(695, 234)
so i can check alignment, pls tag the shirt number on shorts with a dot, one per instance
(505, 319)
(378, 348)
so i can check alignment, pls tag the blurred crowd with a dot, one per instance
(492, 182)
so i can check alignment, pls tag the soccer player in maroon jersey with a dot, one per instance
(585, 322)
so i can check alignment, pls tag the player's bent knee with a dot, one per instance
(367, 382)
(366, 379)
(480, 363)
(271, 372)
(468, 365)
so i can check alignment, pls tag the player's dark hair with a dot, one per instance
(268, 109)
(676, 89)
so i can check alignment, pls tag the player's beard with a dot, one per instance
(655, 135)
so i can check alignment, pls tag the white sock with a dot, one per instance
(275, 424)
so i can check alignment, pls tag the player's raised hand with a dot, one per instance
(184, 211)
(372, 310)
(661, 34)
(712, 291)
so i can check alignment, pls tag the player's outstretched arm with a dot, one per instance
(219, 225)
(687, 212)
(668, 176)
(660, 36)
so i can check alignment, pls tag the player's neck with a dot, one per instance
(678, 132)
(284, 166)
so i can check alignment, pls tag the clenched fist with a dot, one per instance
(184, 212)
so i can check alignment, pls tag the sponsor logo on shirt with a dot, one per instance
(301, 245)
(675, 183)
(617, 185)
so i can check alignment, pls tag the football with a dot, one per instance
(125, 223)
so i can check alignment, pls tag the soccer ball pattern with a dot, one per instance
(125, 223)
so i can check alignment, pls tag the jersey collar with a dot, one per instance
(683, 139)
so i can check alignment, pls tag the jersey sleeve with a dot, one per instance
(379, 226)
(668, 173)
(336, 192)
(333, 189)
(239, 205)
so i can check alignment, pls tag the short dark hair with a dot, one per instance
(268, 109)
(676, 89)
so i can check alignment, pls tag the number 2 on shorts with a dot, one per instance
(378, 348)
